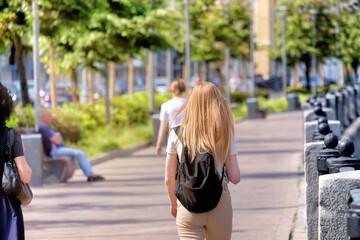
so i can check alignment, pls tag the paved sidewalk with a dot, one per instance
(132, 203)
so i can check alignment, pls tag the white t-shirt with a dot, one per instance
(174, 146)
(170, 108)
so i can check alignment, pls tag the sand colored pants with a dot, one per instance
(214, 225)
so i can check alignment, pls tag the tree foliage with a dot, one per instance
(300, 35)
(350, 38)
(14, 25)
(96, 31)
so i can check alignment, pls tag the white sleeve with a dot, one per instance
(233, 149)
(171, 145)
(163, 115)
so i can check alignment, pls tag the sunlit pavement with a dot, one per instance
(132, 203)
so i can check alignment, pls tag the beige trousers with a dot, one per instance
(214, 225)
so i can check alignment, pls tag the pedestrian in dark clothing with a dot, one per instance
(11, 218)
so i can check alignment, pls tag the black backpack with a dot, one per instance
(197, 186)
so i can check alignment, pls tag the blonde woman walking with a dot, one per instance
(207, 124)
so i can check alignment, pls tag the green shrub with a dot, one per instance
(238, 97)
(273, 104)
(298, 90)
(22, 117)
(138, 109)
(240, 111)
(130, 110)
(303, 97)
(323, 89)
(109, 138)
(326, 88)
(67, 121)
(93, 115)
(161, 98)
(261, 92)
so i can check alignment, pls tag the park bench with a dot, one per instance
(52, 169)
(57, 169)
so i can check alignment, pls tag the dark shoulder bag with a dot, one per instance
(11, 182)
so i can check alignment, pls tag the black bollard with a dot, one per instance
(346, 149)
(318, 112)
(330, 141)
(324, 128)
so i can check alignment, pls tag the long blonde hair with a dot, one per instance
(207, 122)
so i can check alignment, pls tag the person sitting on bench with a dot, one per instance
(54, 147)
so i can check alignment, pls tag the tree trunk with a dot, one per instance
(207, 71)
(21, 69)
(222, 80)
(187, 81)
(244, 75)
(91, 85)
(52, 77)
(354, 66)
(348, 72)
(147, 77)
(297, 74)
(131, 76)
(321, 73)
(74, 90)
(203, 71)
(112, 76)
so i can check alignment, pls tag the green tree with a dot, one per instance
(299, 34)
(104, 31)
(350, 39)
(238, 38)
(211, 32)
(63, 25)
(14, 25)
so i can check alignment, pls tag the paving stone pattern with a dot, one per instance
(132, 203)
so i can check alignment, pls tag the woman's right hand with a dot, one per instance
(158, 149)
(232, 169)
(173, 210)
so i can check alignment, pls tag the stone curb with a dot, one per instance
(298, 231)
(102, 157)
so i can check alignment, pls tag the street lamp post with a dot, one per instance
(35, 8)
(227, 59)
(313, 13)
(283, 9)
(252, 47)
(187, 43)
(151, 80)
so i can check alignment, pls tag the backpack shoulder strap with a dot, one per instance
(10, 143)
(222, 174)
(176, 130)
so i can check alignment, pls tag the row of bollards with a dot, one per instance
(332, 179)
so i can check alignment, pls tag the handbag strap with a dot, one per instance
(10, 143)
